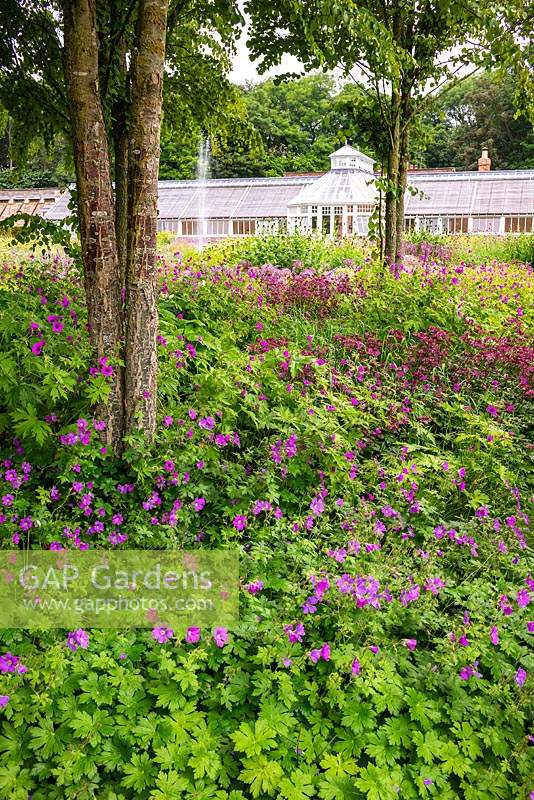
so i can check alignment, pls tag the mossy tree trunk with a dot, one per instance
(143, 164)
(96, 210)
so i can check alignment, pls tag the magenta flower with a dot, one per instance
(317, 505)
(254, 587)
(356, 667)
(411, 644)
(192, 635)
(240, 522)
(520, 677)
(199, 503)
(37, 347)
(494, 635)
(105, 368)
(296, 633)
(162, 634)
(4, 700)
(530, 627)
(207, 423)
(220, 636)
(76, 639)
(11, 663)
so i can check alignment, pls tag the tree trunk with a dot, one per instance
(120, 146)
(95, 199)
(402, 182)
(141, 271)
(392, 174)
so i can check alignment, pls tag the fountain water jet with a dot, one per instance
(203, 171)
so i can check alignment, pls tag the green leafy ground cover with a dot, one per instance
(363, 442)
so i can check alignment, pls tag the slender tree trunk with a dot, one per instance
(392, 174)
(402, 182)
(95, 199)
(141, 271)
(120, 146)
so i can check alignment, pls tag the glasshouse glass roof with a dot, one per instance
(349, 181)
(467, 193)
(338, 187)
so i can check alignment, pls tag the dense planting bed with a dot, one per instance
(362, 439)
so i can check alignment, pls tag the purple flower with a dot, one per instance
(76, 639)
(296, 633)
(411, 644)
(240, 522)
(356, 667)
(192, 635)
(520, 677)
(207, 423)
(530, 627)
(317, 505)
(199, 503)
(494, 635)
(220, 636)
(105, 368)
(162, 634)
(167, 421)
(254, 587)
(37, 347)
(11, 663)
(4, 700)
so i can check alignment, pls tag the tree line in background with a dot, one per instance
(293, 126)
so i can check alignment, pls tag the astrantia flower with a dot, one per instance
(162, 634)
(220, 636)
(520, 677)
(76, 639)
(192, 635)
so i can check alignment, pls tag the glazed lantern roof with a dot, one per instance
(350, 181)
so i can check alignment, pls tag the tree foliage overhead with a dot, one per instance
(401, 52)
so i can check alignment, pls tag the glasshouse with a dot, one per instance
(340, 202)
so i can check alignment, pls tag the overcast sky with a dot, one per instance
(245, 70)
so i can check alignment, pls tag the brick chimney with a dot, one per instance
(484, 162)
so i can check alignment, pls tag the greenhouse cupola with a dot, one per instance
(340, 202)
